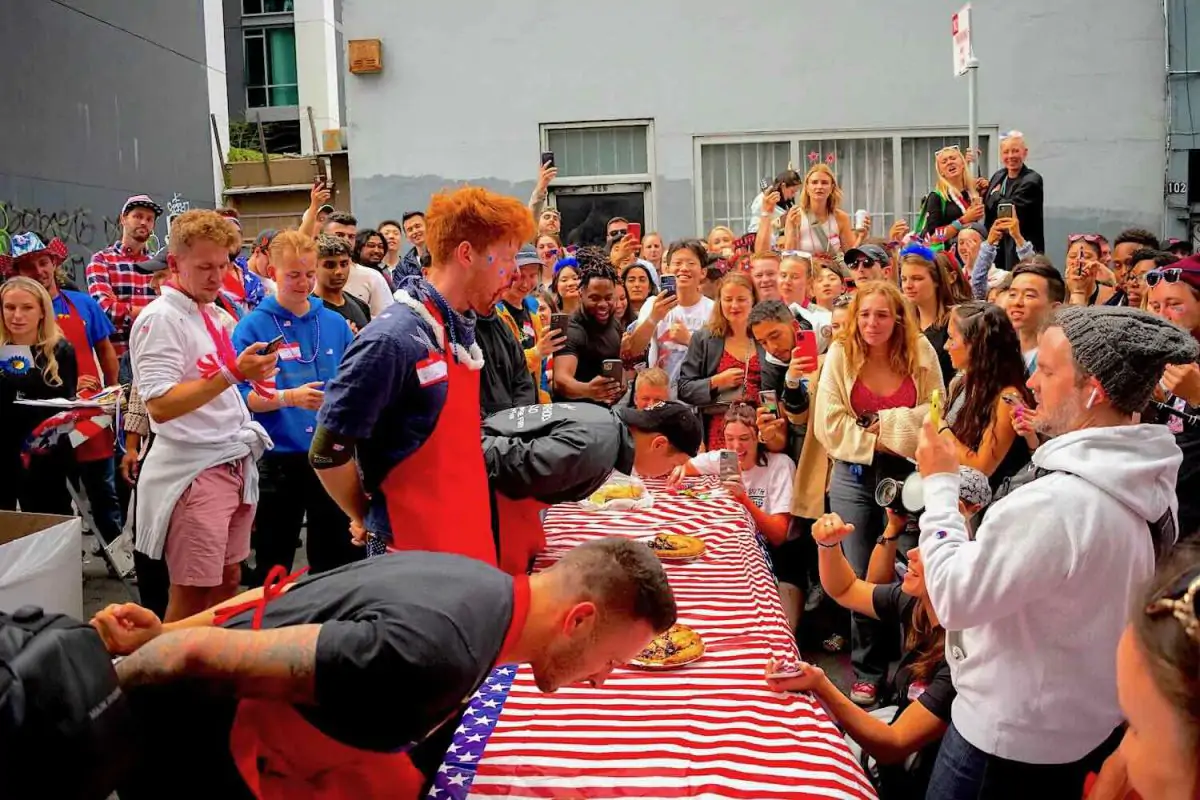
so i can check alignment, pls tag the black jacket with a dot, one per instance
(505, 381)
(1026, 194)
(557, 452)
(794, 401)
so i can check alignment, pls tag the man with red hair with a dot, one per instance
(405, 399)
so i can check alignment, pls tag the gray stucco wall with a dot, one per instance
(463, 102)
(101, 100)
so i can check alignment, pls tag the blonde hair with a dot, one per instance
(200, 224)
(653, 376)
(944, 187)
(291, 244)
(806, 263)
(903, 352)
(835, 195)
(715, 228)
(717, 324)
(48, 333)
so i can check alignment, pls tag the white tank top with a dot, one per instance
(809, 241)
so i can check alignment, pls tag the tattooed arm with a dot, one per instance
(277, 664)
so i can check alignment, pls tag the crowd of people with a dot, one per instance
(986, 461)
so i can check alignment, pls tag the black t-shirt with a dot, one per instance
(895, 609)
(591, 343)
(520, 315)
(353, 309)
(937, 335)
(405, 639)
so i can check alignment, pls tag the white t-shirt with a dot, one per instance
(371, 287)
(168, 340)
(769, 487)
(693, 318)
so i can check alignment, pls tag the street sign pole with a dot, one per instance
(966, 64)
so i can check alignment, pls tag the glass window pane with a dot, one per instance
(919, 174)
(731, 176)
(277, 6)
(285, 96)
(281, 56)
(864, 172)
(256, 59)
(256, 96)
(618, 150)
(251, 6)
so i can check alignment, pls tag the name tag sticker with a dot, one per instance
(289, 352)
(432, 370)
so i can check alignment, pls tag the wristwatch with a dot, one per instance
(885, 539)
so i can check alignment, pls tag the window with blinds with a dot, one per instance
(886, 174)
(599, 151)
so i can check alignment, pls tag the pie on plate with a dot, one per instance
(671, 649)
(616, 491)
(672, 546)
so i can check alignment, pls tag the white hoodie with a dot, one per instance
(1036, 603)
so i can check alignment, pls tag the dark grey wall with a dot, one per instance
(235, 57)
(101, 100)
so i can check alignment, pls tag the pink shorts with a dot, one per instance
(209, 528)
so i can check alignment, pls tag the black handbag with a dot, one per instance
(66, 730)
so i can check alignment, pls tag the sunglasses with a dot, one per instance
(861, 261)
(1090, 238)
(1167, 275)
(1182, 600)
(796, 254)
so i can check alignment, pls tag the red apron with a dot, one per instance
(437, 498)
(282, 756)
(100, 446)
(521, 534)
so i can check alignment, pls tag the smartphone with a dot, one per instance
(728, 466)
(1012, 398)
(935, 408)
(558, 322)
(769, 399)
(635, 231)
(668, 284)
(1005, 210)
(272, 346)
(613, 369)
(548, 158)
(806, 344)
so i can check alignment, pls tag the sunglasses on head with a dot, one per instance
(1182, 601)
(947, 149)
(1090, 238)
(796, 254)
(1165, 275)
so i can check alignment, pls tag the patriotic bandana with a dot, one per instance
(224, 360)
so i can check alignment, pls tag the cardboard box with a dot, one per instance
(40, 562)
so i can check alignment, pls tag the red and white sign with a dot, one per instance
(960, 31)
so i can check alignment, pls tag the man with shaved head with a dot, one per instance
(1017, 184)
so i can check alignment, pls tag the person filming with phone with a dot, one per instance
(1019, 186)
(589, 365)
(1035, 603)
(198, 486)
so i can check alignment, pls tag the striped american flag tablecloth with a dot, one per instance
(709, 730)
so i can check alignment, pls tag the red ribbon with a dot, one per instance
(277, 581)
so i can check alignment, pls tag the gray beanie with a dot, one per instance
(1125, 348)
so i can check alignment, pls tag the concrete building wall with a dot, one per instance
(101, 101)
(462, 99)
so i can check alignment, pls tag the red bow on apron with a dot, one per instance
(100, 446)
(282, 756)
(437, 498)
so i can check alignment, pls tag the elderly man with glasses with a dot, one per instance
(1019, 186)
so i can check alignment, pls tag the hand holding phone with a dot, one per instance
(548, 159)
(769, 399)
(727, 468)
(635, 231)
(668, 284)
(1005, 210)
(272, 346)
(558, 322)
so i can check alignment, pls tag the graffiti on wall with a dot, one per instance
(79, 229)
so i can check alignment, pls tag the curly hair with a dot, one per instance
(594, 266)
(329, 246)
(477, 216)
(903, 353)
(201, 224)
(995, 364)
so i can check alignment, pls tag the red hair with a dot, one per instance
(473, 214)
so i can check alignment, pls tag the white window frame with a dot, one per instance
(605, 184)
(794, 137)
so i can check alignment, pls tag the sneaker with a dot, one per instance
(864, 693)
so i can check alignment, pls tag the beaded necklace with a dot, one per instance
(316, 340)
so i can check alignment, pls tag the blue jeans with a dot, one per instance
(852, 497)
(964, 772)
(98, 481)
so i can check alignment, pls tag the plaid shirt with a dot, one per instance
(119, 289)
